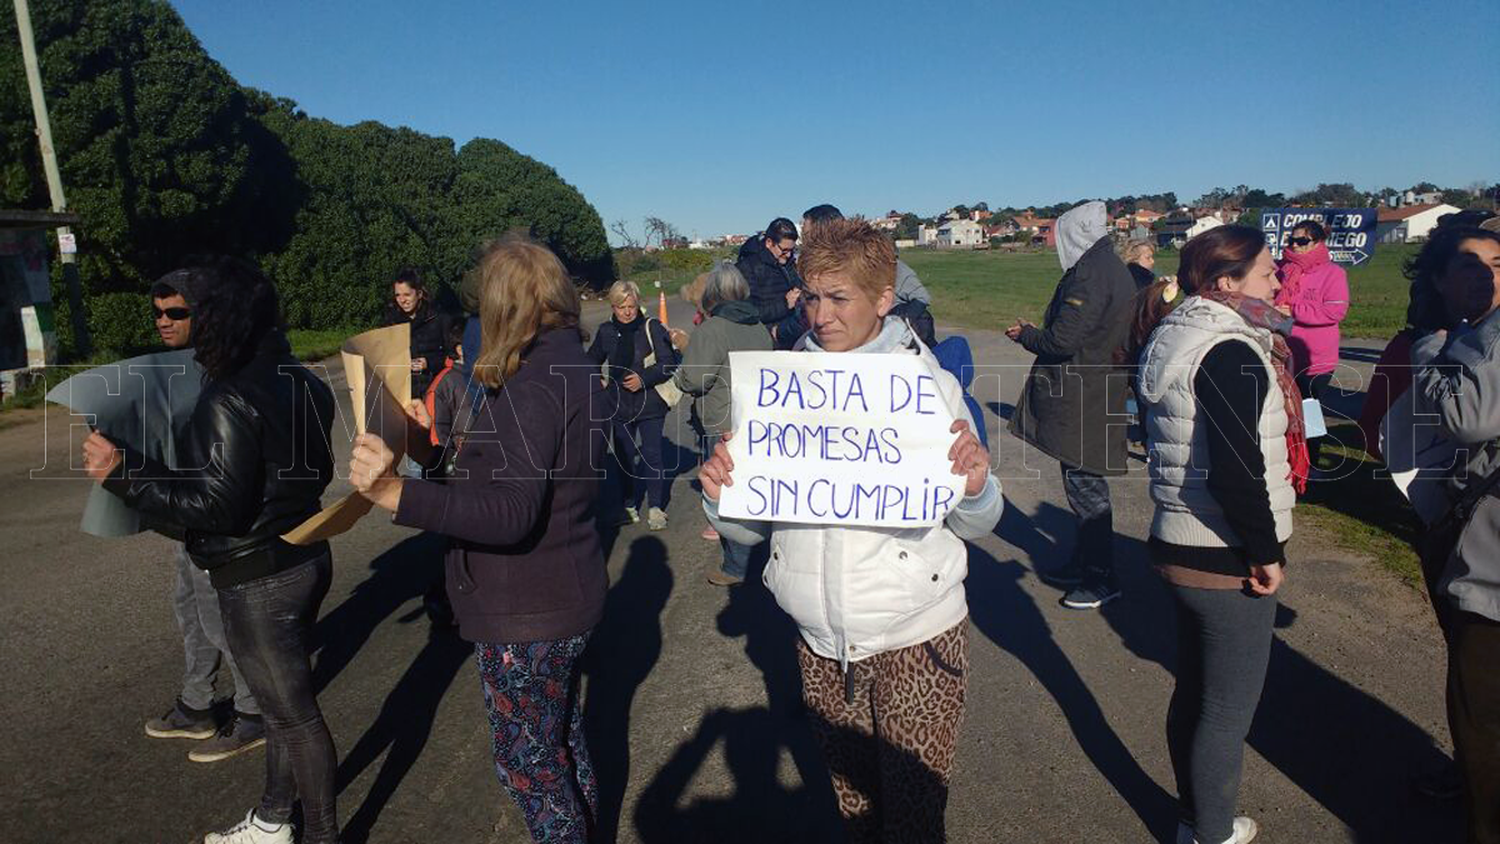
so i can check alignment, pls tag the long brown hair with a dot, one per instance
(1219, 252)
(523, 291)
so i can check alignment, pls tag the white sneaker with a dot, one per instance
(252, 831)
(1245, 831)
(656, 519)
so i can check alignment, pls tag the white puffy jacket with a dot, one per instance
(1186, 512)
(858, 591)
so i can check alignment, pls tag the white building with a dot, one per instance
(927, 235)
(1413, 198)
(960, 234)
(1409, 224)
(1203, 224)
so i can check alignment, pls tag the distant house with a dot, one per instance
(1409, 198)
(1410, 223)
(1172, 230)
(927, 235)
(735, 239)
(961, 234)
(888, 223)
(1203, 224)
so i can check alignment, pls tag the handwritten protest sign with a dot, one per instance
(843, 439)
(377, 365)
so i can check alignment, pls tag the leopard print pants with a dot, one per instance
(890, 751)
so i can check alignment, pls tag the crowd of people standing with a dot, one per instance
(1220, 359)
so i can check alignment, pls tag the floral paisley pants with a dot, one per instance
(531, 695)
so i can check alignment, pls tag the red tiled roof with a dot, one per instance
(1391, 215)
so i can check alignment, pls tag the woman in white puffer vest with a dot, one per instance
(1224, 427)
(881, 611)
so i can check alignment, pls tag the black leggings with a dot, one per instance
(268, 622)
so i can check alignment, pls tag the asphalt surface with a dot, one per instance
(691, 691)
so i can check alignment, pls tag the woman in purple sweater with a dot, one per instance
(525, 569)
(1315, 294)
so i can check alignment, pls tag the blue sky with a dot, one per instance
(717, 117)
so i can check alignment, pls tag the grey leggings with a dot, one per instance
(1223, 644)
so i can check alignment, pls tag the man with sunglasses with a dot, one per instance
(195, 601)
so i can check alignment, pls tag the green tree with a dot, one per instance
(907, 228)
(158, 152)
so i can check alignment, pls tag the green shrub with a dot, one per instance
(120, 323)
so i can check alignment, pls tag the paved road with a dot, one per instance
(692, 691)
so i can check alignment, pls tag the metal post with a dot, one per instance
(54, 176)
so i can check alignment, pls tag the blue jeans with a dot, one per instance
(645, 478)
(269, 622)
(203, 644)
(736, 558)
(1088, 495)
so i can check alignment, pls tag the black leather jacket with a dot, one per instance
(260, 441)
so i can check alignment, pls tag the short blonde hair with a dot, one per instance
(1134, 248)
(523, 290)
(622, 290)
(853, 247)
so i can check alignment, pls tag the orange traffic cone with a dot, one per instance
(662, 307)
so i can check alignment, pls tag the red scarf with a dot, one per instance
(1293, 266)
(1259, 313)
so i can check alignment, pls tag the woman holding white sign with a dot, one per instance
(881, 611)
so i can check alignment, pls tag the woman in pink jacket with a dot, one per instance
(1315, 294)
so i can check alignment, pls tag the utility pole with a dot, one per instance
(54, 177)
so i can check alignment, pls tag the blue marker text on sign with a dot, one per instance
(1351, 231)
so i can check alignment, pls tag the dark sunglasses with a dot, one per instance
(1299, 241)
(170, 313)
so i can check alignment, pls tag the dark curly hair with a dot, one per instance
(1426, 311)
(237, 307)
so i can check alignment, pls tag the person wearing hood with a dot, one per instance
(881, 612)
(1315, 294)
(733, 325)
(766, 263)
(1070, 407)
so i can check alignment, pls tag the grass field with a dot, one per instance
(1360, 512)
(990, 289)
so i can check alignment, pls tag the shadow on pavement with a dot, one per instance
(1346, 749)
(402, 573)
(403, 725)
(761, 807)
(623, 650)
(1009, 617)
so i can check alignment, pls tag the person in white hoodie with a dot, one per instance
(882, 614)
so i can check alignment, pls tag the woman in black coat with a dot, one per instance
(621, 347)
(261, 427)
(411, 302)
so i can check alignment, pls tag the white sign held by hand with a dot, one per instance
(848, 439)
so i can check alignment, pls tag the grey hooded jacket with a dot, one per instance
(1458, 380)
(1072, 406)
